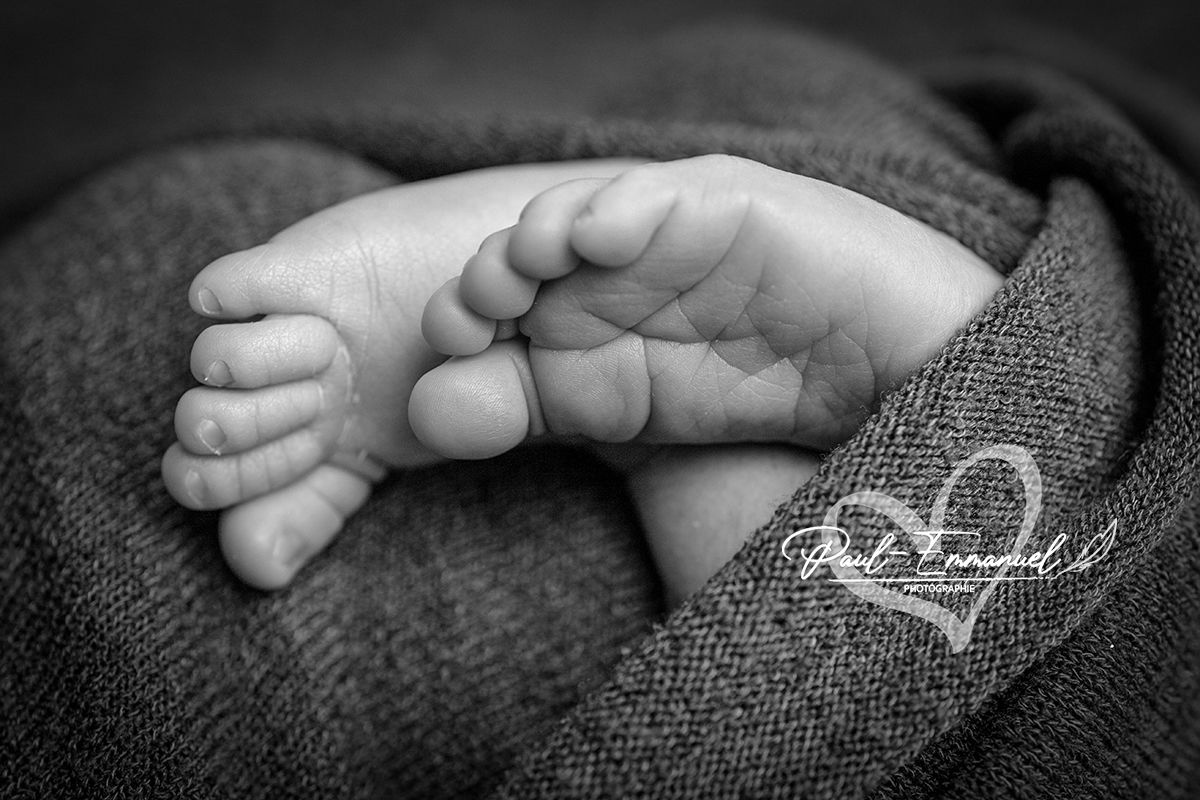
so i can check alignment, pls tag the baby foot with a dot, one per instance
(305, 408)
(712, 299)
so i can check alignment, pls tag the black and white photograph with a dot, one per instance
(634, 399)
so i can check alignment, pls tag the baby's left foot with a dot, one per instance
(712, 299)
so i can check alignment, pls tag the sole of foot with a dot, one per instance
(711, 299)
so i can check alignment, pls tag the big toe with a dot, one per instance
(477, 406)
(267, 540)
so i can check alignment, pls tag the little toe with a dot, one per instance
(219, 422)
(209, 482)
(267, 540)
(271, 278)
(540, 245)
(478, 406)
(621, 218)
(232, 286)
(451, 327)
(491, 286)
(273, 350)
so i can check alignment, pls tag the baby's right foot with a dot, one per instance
(302, 410)
(712, 299)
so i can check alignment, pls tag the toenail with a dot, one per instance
(290, 549)
(196, 488)
(211, 436)
(218, 374)
(208, 301)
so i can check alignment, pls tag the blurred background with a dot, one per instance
(85, 82)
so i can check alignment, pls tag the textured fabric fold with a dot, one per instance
(1085, 686)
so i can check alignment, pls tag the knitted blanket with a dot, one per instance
(494, 629)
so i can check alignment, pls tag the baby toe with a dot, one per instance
(267, 540)
(210, 482)
(540, 245)
(274, 350)
(621, 218)
(491, 286)
(451, 327)
(219, 422)
(272, 278)
(478, 406)
(232, 286)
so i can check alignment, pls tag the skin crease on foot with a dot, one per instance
(712, 299)
(702, 301)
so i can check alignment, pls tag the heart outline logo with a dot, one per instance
(957, 630)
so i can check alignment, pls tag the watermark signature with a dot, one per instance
(930, 570)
